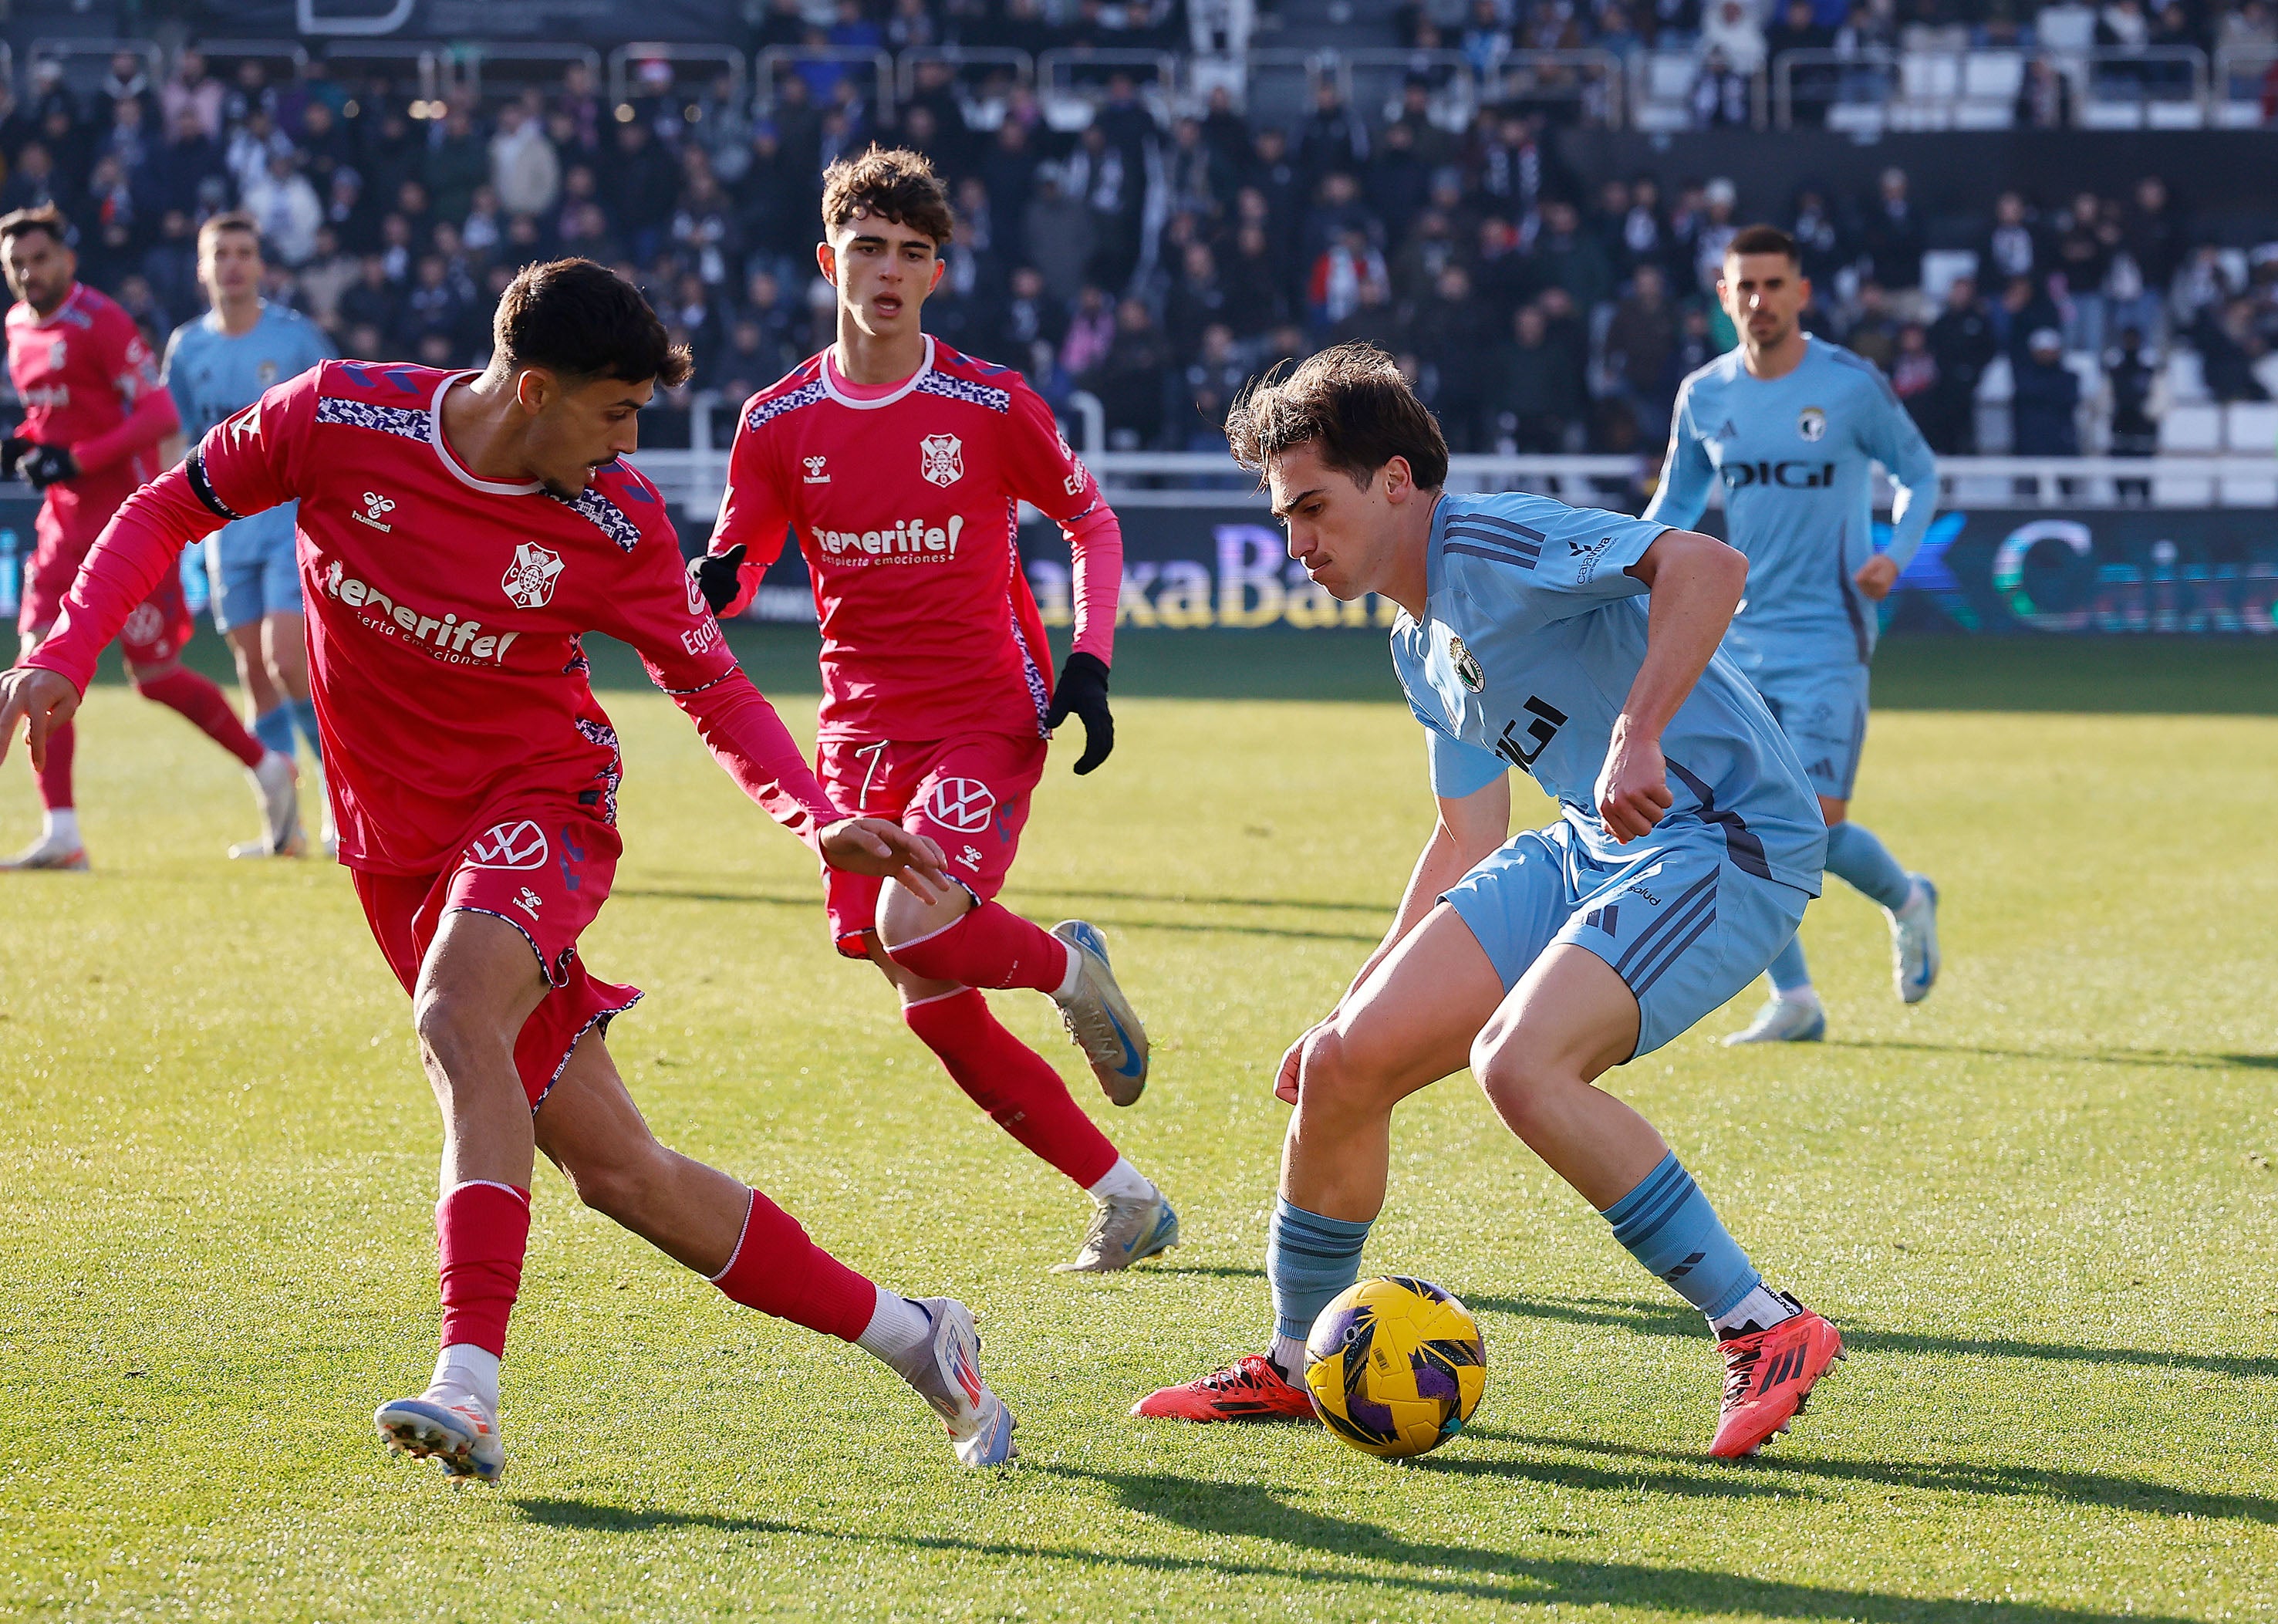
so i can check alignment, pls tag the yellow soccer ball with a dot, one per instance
(1396, 1367)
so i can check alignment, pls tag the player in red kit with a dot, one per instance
(901, 464)
(457, 534)
(93, 415)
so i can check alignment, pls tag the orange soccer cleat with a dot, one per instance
(1251, 1389)
(1768, 1376)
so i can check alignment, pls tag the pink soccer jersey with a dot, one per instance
(444, 615)
(908, 510)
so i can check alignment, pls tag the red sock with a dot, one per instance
(481, 1229)
(56, 777)
(776, 1269)
(1013, 1082)
(203, 704)
(990, 946)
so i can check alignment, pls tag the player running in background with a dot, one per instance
(902, 465)
(1579, 646)
(1791, 424)
(215, 366)
(93, 415)
(458, 535)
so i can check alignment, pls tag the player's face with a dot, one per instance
(40, 269)
(882, 271)
(230, 265)
(1343, 533)
(1763, 293)
(576, 430)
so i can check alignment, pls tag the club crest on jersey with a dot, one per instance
(55, 355)
(817, 473)
(1811, 424)
(1466, 664)
(520, 845)
(528, 580)
(962, 804)
(376, 508)
(266, 372)
(941, 458)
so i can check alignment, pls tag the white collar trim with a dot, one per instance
(489, 488)
(831, 387)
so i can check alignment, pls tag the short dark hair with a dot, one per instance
(892, 183)
(231, 219)
(46, 218)
(584, 321)
(1352, 402)
(1763, 240)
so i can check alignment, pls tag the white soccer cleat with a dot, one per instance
(50, 851)
(1100, 1018)
(1124, 1230)
(458, 1434)
(1914, 942)
(980, 1426)
(277, 786)
(1783, 1020)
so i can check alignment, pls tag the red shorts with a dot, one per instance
(547, 875)
(970, 796)
(158, 628)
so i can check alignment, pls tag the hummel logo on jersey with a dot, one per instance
(962, 804)
(815, 472)
(376, 509)
(519, 845)
(528, 902)
(971, 858)
(1604, 917)
(528, 580)
(941, 459)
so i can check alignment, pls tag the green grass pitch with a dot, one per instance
(2044, 1206)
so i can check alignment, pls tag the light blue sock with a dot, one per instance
(1667, 1225)
(1853, 854)
(1789, 972)
(1309, 1260)
(304, 718)
(274, 729)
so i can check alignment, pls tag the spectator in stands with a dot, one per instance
(1640, 341)
(370, 303)
(287, 209)
(2014, 247)
(1913, 377)
(1729, 29)
(1451, 334)
(1333, 139)
(1961, 344)
(1722, 94)
(1567, 257)
(1058, 229)
(1255, 299)
(2083, 259)
(1712, 231)
(525, 169)
(2153, 238)
(1334, 287)
(1537, 404)
(1373, 320)
(1091, 334)
(1131, 380)
(191, 90)
(2023, 308)
(2228, 346)
(2044, 96)
(2045, 410)
(1811, 84)
(327, 275)
(2131, 399)
(1398, 182)
(1873, 333)
(1212, 379)
(638, 187)
(1823, 241)
(1893, 236)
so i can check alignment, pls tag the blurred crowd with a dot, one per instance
(1151, 262)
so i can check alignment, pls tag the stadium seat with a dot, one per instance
(2173, 115)
(1930, 76)
(2186, 376)
(1860, 119)
(2250, 426)
(1997, 385)
(2097, 115)
(1941, 268)
(2067, 29)
(2191, 431)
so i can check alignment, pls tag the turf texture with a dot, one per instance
(2044, 1206)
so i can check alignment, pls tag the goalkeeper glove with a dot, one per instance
(1081, 691)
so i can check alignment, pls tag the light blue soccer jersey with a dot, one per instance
(211, 375)
(1531, 638)
(1793, 455)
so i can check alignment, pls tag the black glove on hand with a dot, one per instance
(1081, 691)
(46, 464)
(12, 451)
(718, 577)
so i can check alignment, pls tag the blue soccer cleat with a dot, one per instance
(458, 1436)
(1100, 1018)
(1914, 942)
(949, 1379)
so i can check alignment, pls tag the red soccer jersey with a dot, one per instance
(908, 510)
(445, 610)
(79, 373)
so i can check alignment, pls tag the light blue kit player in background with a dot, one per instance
(215, 366)
(1790, 424)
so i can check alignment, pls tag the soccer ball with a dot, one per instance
(1396, 1367)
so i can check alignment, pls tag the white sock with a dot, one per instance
(60, 824)
(1067, 989)
(1122, 1180)
(1288, 1356)
(1759, 1307)
(1805, 994)
(1916, 896)
(899, 1335)
(466, 1371)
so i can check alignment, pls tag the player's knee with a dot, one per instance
(906, 920)
(1513, 1073)
(623, 1185)
(1337, 1075)
(454, 1033)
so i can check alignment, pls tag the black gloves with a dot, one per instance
(718, 577)
(12, 451)
(43, 465)
(1081, 691)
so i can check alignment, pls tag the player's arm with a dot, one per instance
(1694, 584)
(1686, 473)
(755, 520)
(150, 413)
(1044, 472)
(1893, 441)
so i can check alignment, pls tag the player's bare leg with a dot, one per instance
(59, 846)
(1018, 1087)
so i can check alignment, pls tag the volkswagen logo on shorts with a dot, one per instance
(508, 845)
(962, 804)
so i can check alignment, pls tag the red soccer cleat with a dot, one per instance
(1768, 1376)
(1248, 1389)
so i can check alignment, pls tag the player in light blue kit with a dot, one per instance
(1579, 647)
(1790, 424)
(215, 366)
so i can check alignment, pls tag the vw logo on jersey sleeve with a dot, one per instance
(962, 804)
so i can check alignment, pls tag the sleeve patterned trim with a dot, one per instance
(703, 686)
(767, 411)
(403, 420)
(965, 389)
(607, 517)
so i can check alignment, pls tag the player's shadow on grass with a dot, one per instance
(1361, 1550)
(2183, 1060)
(1658, 1319)
(2130, 1494)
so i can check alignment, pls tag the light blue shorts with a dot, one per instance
(253, 576)
(1684, 929)
(1823, 710)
